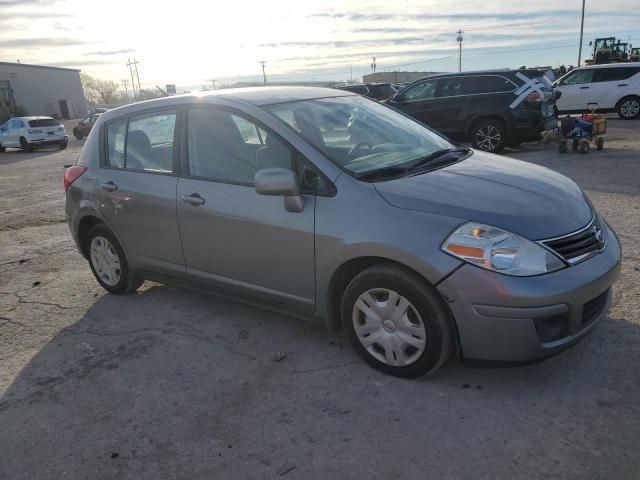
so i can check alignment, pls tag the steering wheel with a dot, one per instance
(352, 153)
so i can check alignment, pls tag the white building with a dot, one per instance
(41, 90)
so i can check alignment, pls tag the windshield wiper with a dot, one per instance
(383, 172)
(441, 156)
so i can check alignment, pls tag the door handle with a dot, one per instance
(583, 88)
(193, 199)
(623, 84)
(110, 186)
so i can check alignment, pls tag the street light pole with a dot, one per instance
(581, 32)
(459, 40)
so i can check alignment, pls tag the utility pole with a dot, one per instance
(133, 84)
(459, 40)
(264, 75)
(350, 74)
(213, 82)
(135, 62)
(125, 83)
(373, 67)
(581, 32)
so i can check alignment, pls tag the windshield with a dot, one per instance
(44, 122)
(360, 135)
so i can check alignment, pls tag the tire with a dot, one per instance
(488, 135)
(108, 262)
(513, 143)
(2, 149)
(599, 143)
(62, 145)
(562, 146)
(629, 108)
(26, 146)
(575, 144)
(417, 338)
(77, 135)
(584, 146)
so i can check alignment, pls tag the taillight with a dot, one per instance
(71, 174)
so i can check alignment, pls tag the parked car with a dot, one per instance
(377, 91)
(84, 126)
(28, 133)
(606, 88)
(332, 206)
(490, 109)
(99, 110)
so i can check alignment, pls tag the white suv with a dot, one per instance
(30, 132)
(614, 87)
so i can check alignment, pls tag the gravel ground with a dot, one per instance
(177, 385)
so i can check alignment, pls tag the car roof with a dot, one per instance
(609, 65)
(35, 118)
(257, 96)
(501, 71)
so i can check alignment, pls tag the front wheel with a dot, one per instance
(108, 262)
(2, 149)
(397, 322)
(62, 145)
(77, 135)
(488, 135)
(629, 108)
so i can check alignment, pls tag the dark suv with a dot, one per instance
(377, 91)
(491, 109)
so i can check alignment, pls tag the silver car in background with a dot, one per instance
(332, 206)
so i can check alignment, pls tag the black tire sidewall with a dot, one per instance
(429, 306)
(619, 107)
(494, 123)
(26, 146)
(127, 281)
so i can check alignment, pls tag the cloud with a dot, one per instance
(39, 42)
(78, 63)
(350, 43)
(111, 52)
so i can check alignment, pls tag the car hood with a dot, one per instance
(520, 197)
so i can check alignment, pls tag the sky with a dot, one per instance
(189, 43)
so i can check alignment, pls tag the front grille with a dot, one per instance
(593, 308)
(578, 245)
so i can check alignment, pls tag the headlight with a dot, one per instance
(495, 249)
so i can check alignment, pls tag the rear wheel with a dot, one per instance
(600, 143)
(2, 149)
(562, 146)
(488, 135)
(26, 146)
(77, 134)
(62, 145)
(629, 108)
(108, 262)
(584, 146)
(396, 322)
(575, 144)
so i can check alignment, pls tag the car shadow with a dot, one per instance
(14, 155)
(169, 381)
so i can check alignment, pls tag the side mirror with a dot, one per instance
(280, 182)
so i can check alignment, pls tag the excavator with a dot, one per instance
(634, 54)
(607, 50)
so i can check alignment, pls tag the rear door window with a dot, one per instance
(150, 142)
(614, 74)
(492, 84)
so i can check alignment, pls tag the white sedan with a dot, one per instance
(28, 133)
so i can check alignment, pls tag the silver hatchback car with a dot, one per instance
(332, 206)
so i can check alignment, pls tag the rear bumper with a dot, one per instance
(502, 318)
(49, 140)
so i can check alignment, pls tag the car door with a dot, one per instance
(232, 237)
(137, 189)
(419, 101)
(612, 84)
(13, 132)
(5, 133)
(576, 90)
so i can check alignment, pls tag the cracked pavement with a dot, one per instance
(174, 384)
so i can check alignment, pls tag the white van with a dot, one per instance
(614, 87)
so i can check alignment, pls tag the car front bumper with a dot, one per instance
(507, 319)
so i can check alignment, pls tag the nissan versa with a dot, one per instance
(327, 204)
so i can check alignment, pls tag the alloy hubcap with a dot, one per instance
(488, 137)
(389, 327)
(630, 108)
(105, 261)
